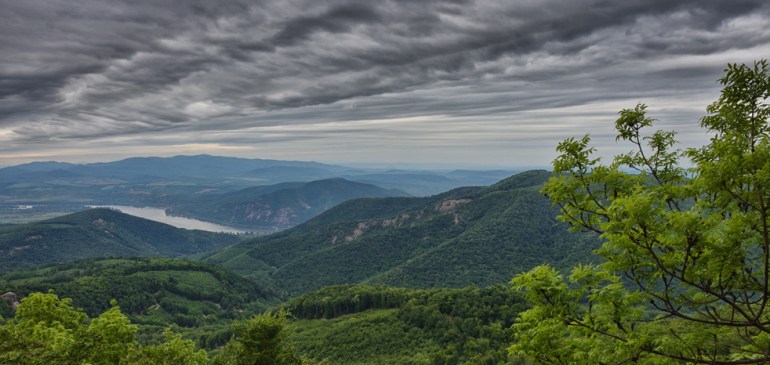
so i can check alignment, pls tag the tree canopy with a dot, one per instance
(47, 330)
(687, 249)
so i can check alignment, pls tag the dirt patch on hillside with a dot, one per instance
(17, 248)
(450, 204)
(362, 227)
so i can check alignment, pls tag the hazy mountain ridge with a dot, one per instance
(279, 206)
(56, 188)
(192, 166)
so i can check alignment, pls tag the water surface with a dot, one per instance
(159, 215)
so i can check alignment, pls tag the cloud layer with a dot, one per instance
(431, 81)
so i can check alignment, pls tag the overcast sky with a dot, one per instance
(482, 83)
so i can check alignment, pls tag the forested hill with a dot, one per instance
(355, 324)
(278, 206)
(154, 292)
(100, 232)
(468, 236)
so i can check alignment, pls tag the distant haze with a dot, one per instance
(491, 83)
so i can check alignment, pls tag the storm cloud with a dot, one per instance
(326, 79)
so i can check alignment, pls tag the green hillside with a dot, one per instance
(355, 324)
(100, 232)
(349, 324)
(278, 206)
(473, 236)
(199, 298)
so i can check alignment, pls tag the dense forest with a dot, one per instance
(153, 292)
(349, 324)
(355, 324)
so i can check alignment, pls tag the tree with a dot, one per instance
(260, 341)
(174, 350)
(47, 330)
(687, 250)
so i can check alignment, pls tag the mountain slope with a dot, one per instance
(476, 236)
(279, 206)
(100, 232)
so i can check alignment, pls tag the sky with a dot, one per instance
(474, 84)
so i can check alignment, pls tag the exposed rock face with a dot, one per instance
(449, 204)
(17, 248)
(360, 230)
(11, 297)
(258, 211)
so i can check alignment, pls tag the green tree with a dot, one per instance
(173, 351)
(687, 250)
(46, 330)
(259, 341)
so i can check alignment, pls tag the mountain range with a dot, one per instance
(114, 182)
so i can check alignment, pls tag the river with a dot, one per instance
(159, 215)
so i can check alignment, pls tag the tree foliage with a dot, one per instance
(47, 330)
(687, 249)
(260, 340)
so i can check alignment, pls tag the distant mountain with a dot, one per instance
(152, 292)
(426, 183)
(278, 206)
(189, 166)
(468, 236)
(486, 177)
(37, 167)
(418, 184)
(165, 182)
(100, 232)
(175, 167)
(283, 173)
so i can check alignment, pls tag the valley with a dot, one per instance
(355, 264)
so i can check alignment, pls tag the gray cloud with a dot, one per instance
(148, 72)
